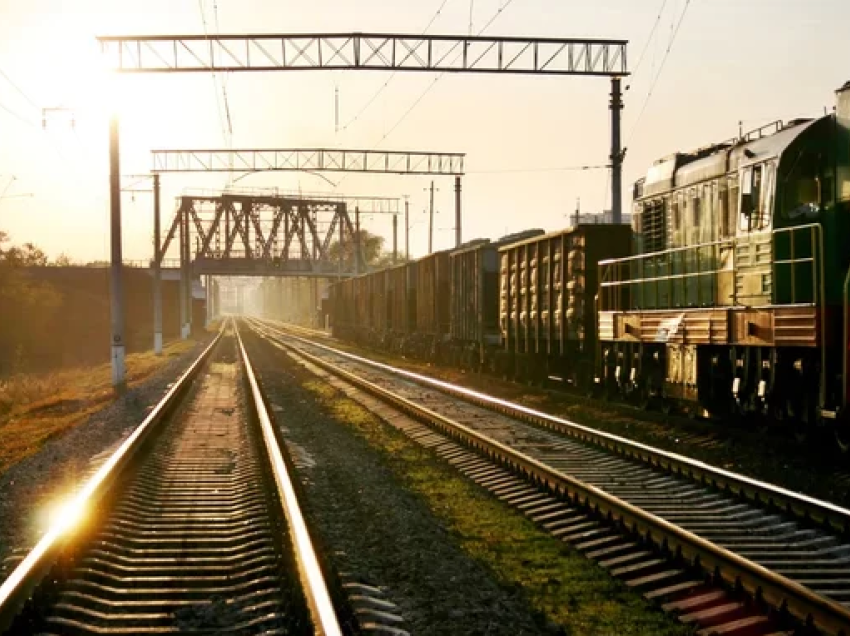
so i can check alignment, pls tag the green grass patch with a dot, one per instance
(558, 582)
(36, 407)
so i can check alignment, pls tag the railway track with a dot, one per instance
(662, 522)
(192, 526)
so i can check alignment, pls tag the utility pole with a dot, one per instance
(406, 227)
(157, 271)
(185, 275)
(395, 239)
(431, 222)
(578, 212)
(457, 212)
(116, 287)
(357, 243)
(616, 153)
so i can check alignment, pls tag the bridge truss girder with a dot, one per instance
(265, 236)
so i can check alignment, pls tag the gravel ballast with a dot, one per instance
(388, 515)
(32, 489)
(813, 467)
(379, 533)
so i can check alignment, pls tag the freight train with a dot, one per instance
(729, 295)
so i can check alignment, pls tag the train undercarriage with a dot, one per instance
(768, 370)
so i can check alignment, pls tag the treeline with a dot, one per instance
(27, 306)
(56, 314)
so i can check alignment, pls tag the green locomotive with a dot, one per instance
(735, 300)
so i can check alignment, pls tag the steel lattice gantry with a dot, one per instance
(307, 160)
(250, 235)
(367, 51)
(344, 51)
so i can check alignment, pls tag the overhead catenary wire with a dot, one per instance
(17, 115)
(29, 100)
(221, 116)
(18, 88)
(422, 95)
(654, 82)
(439, 77)
(389, 79)
(649, 39)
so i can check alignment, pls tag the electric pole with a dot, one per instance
(406, 227)
(431, 222)
(616, 153)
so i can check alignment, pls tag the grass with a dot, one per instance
(559, 583)
(37, 407)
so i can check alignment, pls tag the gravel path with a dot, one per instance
(33, 487)
(379, 533)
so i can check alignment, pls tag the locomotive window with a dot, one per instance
(751, 191)
(803, 191)
(768, 185)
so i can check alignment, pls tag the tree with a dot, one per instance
(28, 255)
(63, 260)
(372, 246)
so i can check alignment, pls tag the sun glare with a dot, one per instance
(64, 515)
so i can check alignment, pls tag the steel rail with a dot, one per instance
(819, 511)
(313, 582)
(22, 581)
(774, 589)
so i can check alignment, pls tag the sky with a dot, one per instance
(699, 67)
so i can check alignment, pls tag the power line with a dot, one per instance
(433, 83)
(384, 86)
(221, 118)
(17, 116)
(649, 39)
(18, 88)
(440, 76)
(660, 70)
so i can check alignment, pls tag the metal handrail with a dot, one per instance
(611, 270)
(18, 586)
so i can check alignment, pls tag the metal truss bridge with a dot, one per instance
(234, 234)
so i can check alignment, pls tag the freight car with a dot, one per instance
(473, 301)
(735, 300)
(548, 287)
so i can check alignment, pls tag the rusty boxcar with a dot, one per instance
(400, 303)
(431, 330)
(474, 293)
(547, 290)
